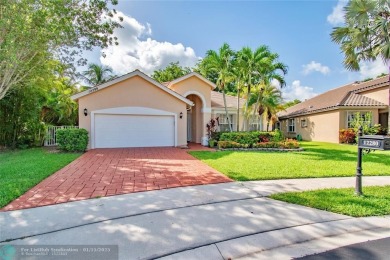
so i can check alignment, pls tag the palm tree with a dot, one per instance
(366, 34)
(239, 74)
(97, 74)
(250, 62)
(267, 100)
(220, 63)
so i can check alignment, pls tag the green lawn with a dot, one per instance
(20, 170)
(375, 202)
(318, 160)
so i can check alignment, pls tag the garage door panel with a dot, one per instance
(133, 131)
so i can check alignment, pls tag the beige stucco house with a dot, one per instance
(134, 110)
(320, 118)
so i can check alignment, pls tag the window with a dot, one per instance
(303, 123)
(277, 125)
(365, 116)
(223, 122)
(291, 125)
(256, 124)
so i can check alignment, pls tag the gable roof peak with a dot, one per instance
(124, 77)
(189, 75)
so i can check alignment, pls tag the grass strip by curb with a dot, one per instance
(374, 202)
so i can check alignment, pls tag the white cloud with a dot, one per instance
(372, 69)
(137, 50)
(315, 66)
(337, 16)
(296, 91)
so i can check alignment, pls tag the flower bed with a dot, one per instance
(286, 145)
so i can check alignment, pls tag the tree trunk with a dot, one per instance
(226, 112)
(244, 121)
(238, 109)
(388, 110)
(256, 107)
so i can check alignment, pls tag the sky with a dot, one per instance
(156, 33)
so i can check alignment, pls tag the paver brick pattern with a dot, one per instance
(106, 172)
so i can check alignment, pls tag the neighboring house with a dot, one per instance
(134, 110)
(320, 118)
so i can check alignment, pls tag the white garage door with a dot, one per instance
(133, 131)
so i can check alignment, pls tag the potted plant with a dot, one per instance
(212, 142)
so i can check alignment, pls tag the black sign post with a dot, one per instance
(373, 142)
(358, 185)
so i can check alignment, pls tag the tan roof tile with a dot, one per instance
(353, 99)
(231, 101)
(347, 95)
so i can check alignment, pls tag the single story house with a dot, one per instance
(321, 117)
(134, 110)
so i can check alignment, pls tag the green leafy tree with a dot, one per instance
(291, 103)
(34, 103)
(97, 74)
(34, 32)
(171, 72)
(220, 64)
(366, 33)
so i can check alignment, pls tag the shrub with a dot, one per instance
(289, 144)
(347, 136)
(231, 144)
(379, 130)
(266, 145)
(212, 142)
(72, 140)
(248, 138)
(277, 136)
(216, 135)
(286, 144)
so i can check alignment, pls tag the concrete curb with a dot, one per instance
(257, 245)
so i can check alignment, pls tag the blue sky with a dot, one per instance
(158, 32)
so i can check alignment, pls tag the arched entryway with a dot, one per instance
(195, 120)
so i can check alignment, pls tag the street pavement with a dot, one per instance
(217, 221)
(371, 250)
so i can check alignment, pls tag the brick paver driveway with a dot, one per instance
(105, 172)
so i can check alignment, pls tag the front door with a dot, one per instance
(383, 119)
(189, 126)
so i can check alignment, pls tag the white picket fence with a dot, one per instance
(51, 138)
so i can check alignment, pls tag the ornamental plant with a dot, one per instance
(347, 136)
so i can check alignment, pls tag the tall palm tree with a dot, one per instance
(365, 35)
(250, 63)
(220, 63)
(97, 74)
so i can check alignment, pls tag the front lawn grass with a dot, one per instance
(317, 160)
(374, 202)
(21, 170)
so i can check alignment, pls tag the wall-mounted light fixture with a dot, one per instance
(181, 115)
(85, 112)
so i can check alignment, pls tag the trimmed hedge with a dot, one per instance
(286, 144)
(250, 138)
(231, 144)
(72, 139)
